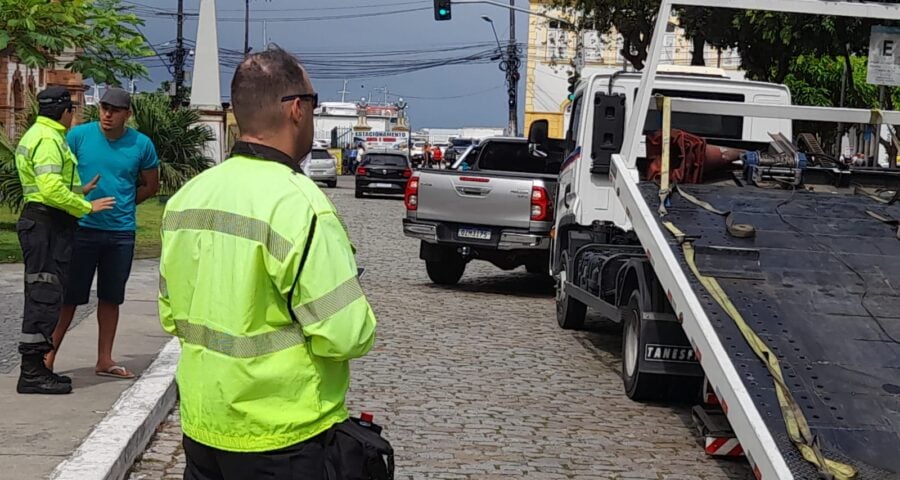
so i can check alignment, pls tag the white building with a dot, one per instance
(341, 117)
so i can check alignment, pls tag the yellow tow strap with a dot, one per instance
(794, 420)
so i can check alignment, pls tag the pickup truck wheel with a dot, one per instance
(358, 194)
(570, 313)
(446, 271)
(332, 184)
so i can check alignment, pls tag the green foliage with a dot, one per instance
(179, 138)
(768, 42)
(39, 32)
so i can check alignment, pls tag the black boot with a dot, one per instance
(37, 378)
(61, 378)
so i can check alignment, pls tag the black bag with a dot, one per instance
(357, 451)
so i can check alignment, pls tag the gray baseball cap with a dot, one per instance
(116, 97)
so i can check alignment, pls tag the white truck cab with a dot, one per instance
(585, 194)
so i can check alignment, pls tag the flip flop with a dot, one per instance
(116, 371)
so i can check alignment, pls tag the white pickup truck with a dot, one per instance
(499, 209)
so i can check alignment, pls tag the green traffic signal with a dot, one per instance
(571, 97)
(442, 10)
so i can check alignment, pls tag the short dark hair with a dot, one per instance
(259, 83)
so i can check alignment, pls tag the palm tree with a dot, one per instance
(180, 139)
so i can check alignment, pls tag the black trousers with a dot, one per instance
(46, 236)
(303, 461)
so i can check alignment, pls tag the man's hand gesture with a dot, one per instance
(90, 186)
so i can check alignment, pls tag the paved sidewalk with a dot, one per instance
(37, 432)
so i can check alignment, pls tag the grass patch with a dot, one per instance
(149, 218)
(147, 242)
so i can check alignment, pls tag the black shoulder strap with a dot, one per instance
(309, 239)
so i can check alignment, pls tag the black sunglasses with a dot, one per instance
(303, 96)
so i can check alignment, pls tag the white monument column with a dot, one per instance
(205, 87)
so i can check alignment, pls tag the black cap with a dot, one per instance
(116, 97)
(54, 95)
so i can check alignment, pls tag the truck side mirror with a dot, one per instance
(539, 138)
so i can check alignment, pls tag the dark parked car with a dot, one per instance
(383, 172)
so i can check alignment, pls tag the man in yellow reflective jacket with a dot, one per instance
(259, 282)
(54, 201)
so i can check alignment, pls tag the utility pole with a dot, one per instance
(179, 55)
(344, 92)
(246, 27)
(512, 73)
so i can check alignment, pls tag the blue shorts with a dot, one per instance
(107, 252)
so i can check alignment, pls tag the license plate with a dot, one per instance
(475, 233)
(318, 172)
(381, 185)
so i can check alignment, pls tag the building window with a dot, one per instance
(557, 41)
(593, 46)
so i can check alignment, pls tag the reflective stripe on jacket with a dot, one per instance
(256, 374)
(48, 168)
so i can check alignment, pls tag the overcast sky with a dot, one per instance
(451, 96)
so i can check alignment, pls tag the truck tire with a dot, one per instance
(639, 386)
(446, 271)
(358, 193)
(331, 184)
(570, 313)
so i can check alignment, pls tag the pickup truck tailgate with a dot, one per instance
(475, 198)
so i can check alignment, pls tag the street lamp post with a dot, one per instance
(490, 21)
(510, 65)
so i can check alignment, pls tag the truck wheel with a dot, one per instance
(570, 313)
(446, 271)
(332, 184)
(358, 194)
(638, 386)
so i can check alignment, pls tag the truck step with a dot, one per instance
(719, 439)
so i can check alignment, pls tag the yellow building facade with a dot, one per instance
(552, 48)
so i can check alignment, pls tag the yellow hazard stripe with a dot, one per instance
(797, 426)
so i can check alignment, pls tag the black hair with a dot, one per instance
(258, 86)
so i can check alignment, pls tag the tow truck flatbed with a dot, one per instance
(820, 284)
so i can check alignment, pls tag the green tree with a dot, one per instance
(102, 34)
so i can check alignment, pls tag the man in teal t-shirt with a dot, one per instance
(126, 164)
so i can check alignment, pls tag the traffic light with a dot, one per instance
(573, 83)
(442, 10)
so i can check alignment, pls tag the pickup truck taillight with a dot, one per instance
(540, 204)
(411, 198)
(407, 173)
(361, 171)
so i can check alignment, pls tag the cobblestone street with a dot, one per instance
(477, 381)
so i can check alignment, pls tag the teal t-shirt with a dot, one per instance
(119, 164)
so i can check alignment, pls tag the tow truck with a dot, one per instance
(771, 291)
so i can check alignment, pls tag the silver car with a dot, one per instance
(321, 167)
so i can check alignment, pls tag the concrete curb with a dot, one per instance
(114, 444)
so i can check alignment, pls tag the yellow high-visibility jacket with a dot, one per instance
(259, 372)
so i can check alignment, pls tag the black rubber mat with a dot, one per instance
(820, 283)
